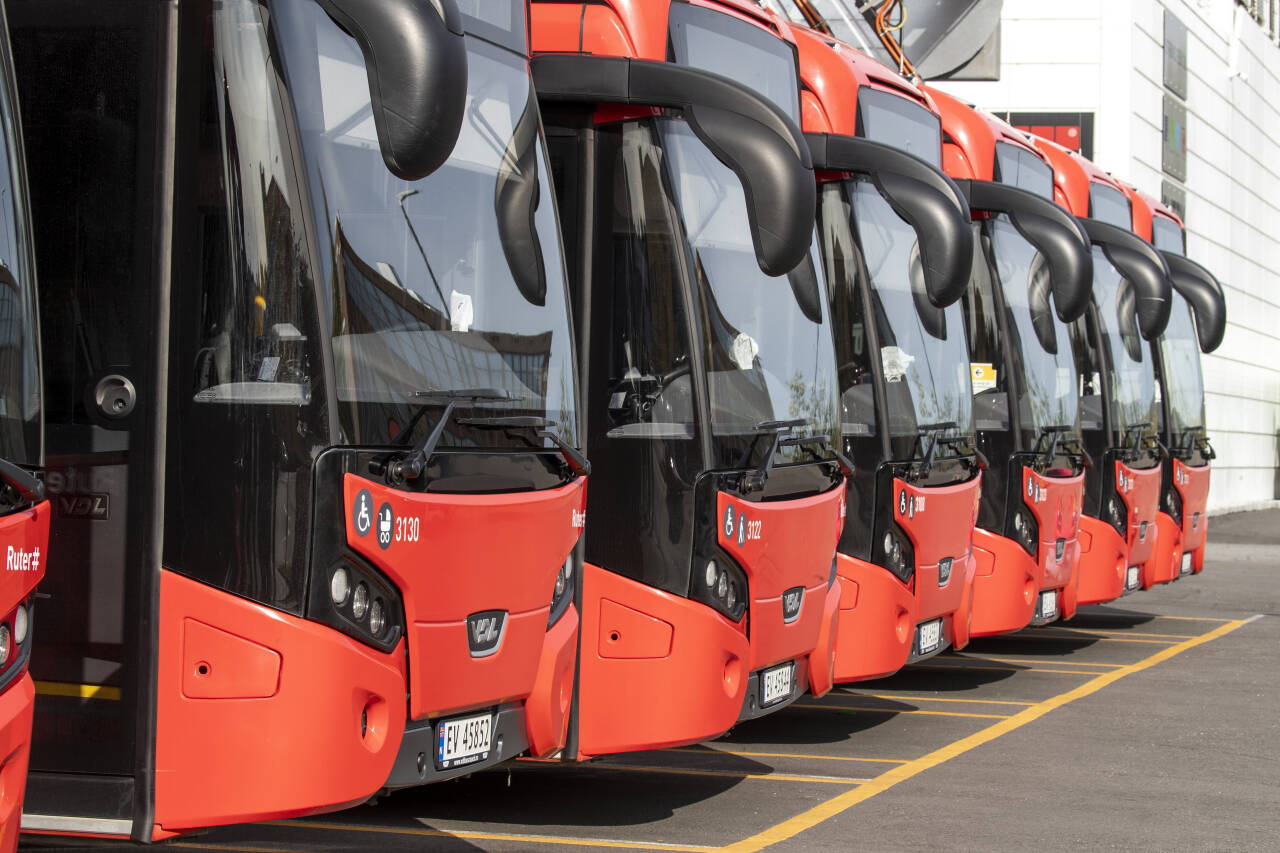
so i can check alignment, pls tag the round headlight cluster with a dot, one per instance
(343, 591)
(895, 559)
(721, 587)
(1025, 529)
(1116, 514)
(564, 578)
(21, 624)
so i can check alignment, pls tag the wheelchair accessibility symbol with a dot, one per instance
(362, 513)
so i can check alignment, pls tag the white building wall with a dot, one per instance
(1107, 58)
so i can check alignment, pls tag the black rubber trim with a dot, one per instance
(1139, 262)
(746, 131)
(921, 194)
(1199, 287)
(1053, 231)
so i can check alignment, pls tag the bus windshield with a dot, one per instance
(1132, 376)
(20, 423)
(768, 350)
(1182, 381)
(1040, 348)
(923, 354)
(455, 281)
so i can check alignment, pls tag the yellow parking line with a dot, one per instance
(728, 774)
(197, 845)
(841, 802)
(967, 666)
(499, 836)
(78, 691)
(1189, 618)
(1100, 632)
(747, 754)
(811, 707)
(1065, 663)
(1049, 635)
(944, 699)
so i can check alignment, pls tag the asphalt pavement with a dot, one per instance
(1152, 723)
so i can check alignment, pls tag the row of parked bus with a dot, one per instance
(341, 302)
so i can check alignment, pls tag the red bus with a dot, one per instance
(709, 378)
(311, 407)
(1197, 324)
(898, 247)
(24, 511)
(1031, 280)
(1130, 305)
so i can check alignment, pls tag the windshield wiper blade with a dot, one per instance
(753, 481)
(573, 457)
(1054, 433)
(931, 432)
(22, 481)
(411, 466)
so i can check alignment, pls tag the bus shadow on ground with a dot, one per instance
(528, 794)
(1049, 642)
(1106, 616)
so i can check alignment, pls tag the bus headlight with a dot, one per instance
(360, 601)
(1026, 530)
(339, 586)
(20, 625)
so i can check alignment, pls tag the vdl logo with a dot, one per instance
(791, 601)
(944, 571)
(485, 631)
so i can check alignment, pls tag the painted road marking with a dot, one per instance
(1067, 663)
(842, 802)
(870, 710)
(78, 691)
(964, 666)
(497, 836)
(195, 845)
(1103, 631)
(728, 774)
(747, 754)
(905, 698)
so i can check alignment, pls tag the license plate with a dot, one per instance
(1049, 604)
(464, 740)
(1131, 580)
(1186, 564)
(775, 683)
(929, 636)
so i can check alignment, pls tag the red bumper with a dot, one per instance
(16, 705)
(877, 620)
(1103, 562)
(657, 669)
(1006, 582)
(234, 676)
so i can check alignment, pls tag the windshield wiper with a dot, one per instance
(1138, 431)
(1054, 433)
(22, 481)
(410, 467)
(753, 481)
(573, 457)
(931, 433)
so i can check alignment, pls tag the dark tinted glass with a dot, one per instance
(1040, 348)
(902, 123)
(1166, 235)
(766, 360)
(1132, 377)
(923, 355)
(743, 52)
(1182, 380)
(1022, 168)
(1109, 205)
(250, 410)
(454, 281)
(20, 424)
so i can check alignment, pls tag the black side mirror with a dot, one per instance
(416, 59)
(515, 200)
(746, 131)
(1055, 233)
(922, 195)
(1140, 263)
(1199, 287)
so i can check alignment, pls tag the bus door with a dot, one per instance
(88, 82)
